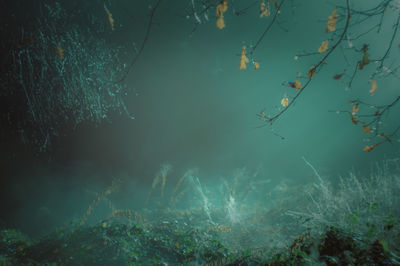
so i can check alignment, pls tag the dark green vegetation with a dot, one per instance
(243, 222)
(113, 243)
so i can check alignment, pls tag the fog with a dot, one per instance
(193, 108)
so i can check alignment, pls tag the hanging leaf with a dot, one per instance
(366, 129)
(262, 6)
(355, 109)
(276, 5)
(220, 23)
(337, 76)
(265, 13)
(331, 25)
(323, 47)
(353, 119)
(297, 84)
(365, 60)
(383, 135)
(311, 72)
(369, 148)
(373, 87)
(221, 9)
(256, 65)
(285, 101)
(264, 10)
(243, 58)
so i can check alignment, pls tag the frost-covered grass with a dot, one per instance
(366, 206)
(244, 219)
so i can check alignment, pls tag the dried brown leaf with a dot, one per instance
(311, 72)
(285, 101)
(374, 87)
(366, 129)
(369, 148)
(337, 76)
(355, 109)
(324, 47)
(243, 58)
(331, 25)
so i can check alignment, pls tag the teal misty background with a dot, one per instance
(194, 108)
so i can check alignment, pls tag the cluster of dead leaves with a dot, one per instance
(331, 25)
(369, 148)
(244, 60)
(365, 126)
(354, 111)
(222, 7)
(265, 10)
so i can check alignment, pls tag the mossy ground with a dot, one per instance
(175, 242)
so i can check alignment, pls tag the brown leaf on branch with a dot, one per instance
(353, 119)
(297, 84)
(311, 72)
(331, 25)
(366, 129)
(285, 101)
(243, 58)
(256, 65)
(220, 23)
(355, 109)
(262, 6)
(323, 47)
(264, 10)
(373, 87)
(265, 13)
(365, 60)
(369, 148)
(337, 76)
(276, 5)
(383, 135)
(221, 9)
